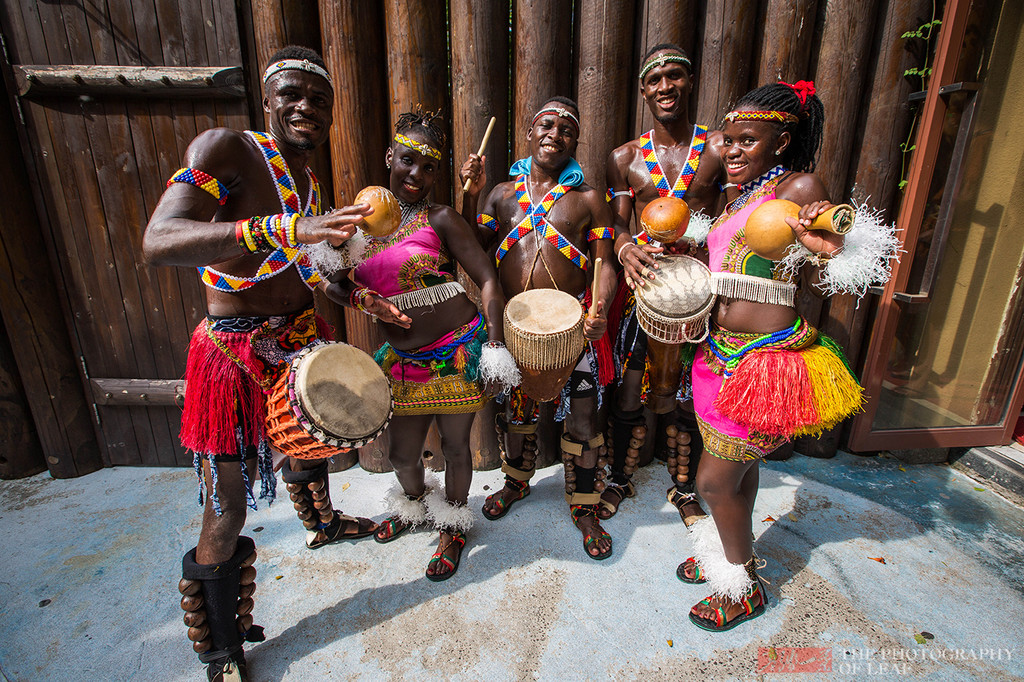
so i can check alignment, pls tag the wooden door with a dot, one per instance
(110, 94)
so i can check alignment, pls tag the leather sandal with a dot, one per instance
(333, 532)
(439, 557)
(521, 488)
(622, 491)
(680, 500)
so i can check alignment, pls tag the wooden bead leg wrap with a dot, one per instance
(310, 495)
(217, 599)
(629, 431)
(519, 468)
(583, 485)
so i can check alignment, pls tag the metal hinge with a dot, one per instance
(95, 409)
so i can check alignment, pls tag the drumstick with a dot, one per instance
(483, 145)
(593, 288)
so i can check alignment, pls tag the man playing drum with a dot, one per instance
(260, 312)
(549, 227)
(639, 172)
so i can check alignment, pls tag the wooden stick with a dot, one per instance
(593, 288)
(483, 145)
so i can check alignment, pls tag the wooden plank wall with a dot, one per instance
(101, 162)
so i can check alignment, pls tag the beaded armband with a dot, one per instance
(490, 222)
(631, 193)
(600, 233)
(202, 180)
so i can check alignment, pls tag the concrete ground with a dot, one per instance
(90, 567)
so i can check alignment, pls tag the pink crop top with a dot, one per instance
(412, 258)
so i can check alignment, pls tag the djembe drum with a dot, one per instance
(674, 308)
(332, 398)
(544, 333)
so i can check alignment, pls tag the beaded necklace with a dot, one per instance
(281, 258)
(688, 171)
(761, 186)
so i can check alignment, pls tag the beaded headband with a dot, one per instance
(297, 65)
(558, 111)
(655, 62)
(422, 148)
(776, 116)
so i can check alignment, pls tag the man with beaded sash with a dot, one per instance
(444, 357)
(258, 281)
(639, 172)
(545, 228)
(765, 376)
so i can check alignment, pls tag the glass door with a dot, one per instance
(944, 359)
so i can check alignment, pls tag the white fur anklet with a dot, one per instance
(498, 365)
(725, 579)
(398, 505)
(328, 260)
(447, 516)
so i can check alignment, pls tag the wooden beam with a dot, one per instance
(726, 57)
(138, 391)
(130, 81)
(786, 41)
(844, 63)
(541, 63)
(480, 83)
(605, 82)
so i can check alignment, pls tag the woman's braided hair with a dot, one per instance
(430, 121)
(806, 133)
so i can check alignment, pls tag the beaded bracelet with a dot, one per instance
(355, 299)
(493, 344)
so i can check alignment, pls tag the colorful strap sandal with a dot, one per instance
(698, 573)
(582, 511)
(497, 500)
(621, 492)
(391, 529)
(439, 557)
(334, 531)
(750, 611)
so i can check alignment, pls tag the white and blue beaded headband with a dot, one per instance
(297, 65)
(662, 60)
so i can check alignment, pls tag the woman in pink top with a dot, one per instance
(445, 358)
(764, 375)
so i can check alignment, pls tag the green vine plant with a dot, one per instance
(924, 32)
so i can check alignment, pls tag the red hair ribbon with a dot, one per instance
(803, 90)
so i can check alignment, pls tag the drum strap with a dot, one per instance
(686, 175)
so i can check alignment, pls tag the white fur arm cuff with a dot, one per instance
(329, 260)
(865, 259)
(498, 365)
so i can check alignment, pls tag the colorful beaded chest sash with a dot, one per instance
(536, 220)
(282, 257)
(686, 175)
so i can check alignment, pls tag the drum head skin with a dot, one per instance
(681, 287)
(343, 391)
(544, 311)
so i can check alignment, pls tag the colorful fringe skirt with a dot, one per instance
(232, 363)
(754, 392)
(440, 378)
